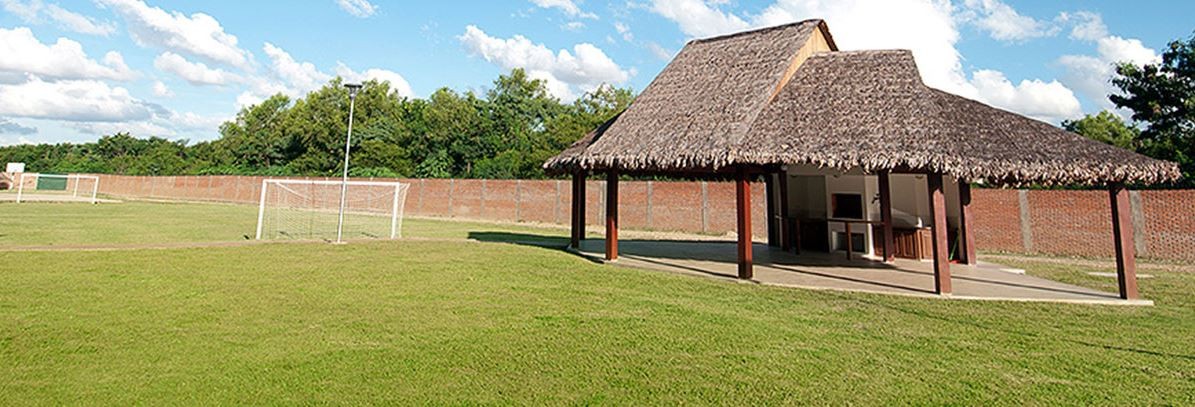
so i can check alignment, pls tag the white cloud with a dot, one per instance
(188, 121)
(303, 76)
(32, 11)
(161, 90)
(1117, 49)
(659, 51)
(569, 8)
(261, 90)
(197, 35)
(14, 128)
(624, 31)
(28, 12)
(1046, 101)
(21, 54)
(163, 123)
(5, 142)
(135, 128)
(1004, 23)
(358, 8)
(72, 100)
(696, 18)
(79, 23)
(398, 84)
(929, 28)
(573, 26)
(294, 78)
(195, 73)
(586, 67)
(1092, 75)
(1088, 26)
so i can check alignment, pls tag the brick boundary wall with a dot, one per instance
(1072, 223)
(700, 207)
(1079, 223)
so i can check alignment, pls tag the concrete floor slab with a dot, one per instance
(832, 271)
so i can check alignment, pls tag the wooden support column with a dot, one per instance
(770, 217)
(888, 244)
(967, 239)
(612, 215)
(937, 207)
(578, 210)
(581, 202)
(742, 193)
(1122, 235)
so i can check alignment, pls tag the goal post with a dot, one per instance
(78, 186)
(310, 209)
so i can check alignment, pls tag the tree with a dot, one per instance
(1162, 96)
(1105, 127)
(506, 131)
(256, 138)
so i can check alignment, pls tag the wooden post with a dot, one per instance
(578, 210)
(888, 244)
(742, 192)
(612, 215)
(937, 206)
(964, 225)
(770, 217)
(1122, 236)
(581, 200)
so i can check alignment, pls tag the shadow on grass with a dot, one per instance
(524, 239)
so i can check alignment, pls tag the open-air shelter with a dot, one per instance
(856, 152)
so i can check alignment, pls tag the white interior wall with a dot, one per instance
(806, 197)
(910, 201)
(850, 184)
(810, 192)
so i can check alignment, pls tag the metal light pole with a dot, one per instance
(344, 183)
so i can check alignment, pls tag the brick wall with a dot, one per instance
(1079, 223)
(1052, 222)
(665, 206)
(996, 214)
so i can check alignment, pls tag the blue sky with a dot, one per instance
(73, 70)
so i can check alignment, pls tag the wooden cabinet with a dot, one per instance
(913, 243)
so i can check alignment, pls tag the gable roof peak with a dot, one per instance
(757, 31)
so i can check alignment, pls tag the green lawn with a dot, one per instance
(139, 222)
(444, 322)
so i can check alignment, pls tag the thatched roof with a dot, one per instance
(841, 110)
(703, 101)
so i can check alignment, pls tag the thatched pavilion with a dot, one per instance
(783, 104)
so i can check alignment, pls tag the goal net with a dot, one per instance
(57, 187)
(310, 210)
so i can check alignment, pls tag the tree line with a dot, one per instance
(506, 132)
(510, 129)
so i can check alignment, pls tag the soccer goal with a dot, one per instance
(57, 187)
(310, 209)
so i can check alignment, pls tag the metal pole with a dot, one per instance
(344, 184)
(95, 189)
(394, 213)
(20, 187)
(261, 208)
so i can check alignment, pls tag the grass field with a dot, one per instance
(468, 322)
(134, 222)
